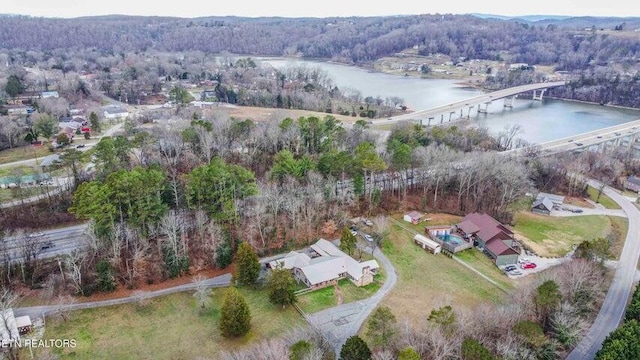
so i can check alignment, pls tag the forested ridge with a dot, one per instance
(349, 40)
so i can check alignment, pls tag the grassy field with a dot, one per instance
(427, 281)
(327, 297)
(619, 227)
(482, 263)
(552, 237)
(604, 199)
(171, 327)
(23, 153)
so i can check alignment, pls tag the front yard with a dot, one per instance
(556, 236)
(328, 297)
(170, 327)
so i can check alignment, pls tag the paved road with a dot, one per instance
(587, 211)
(615, 302)
(340, 322)
(64, 241)
(38, 311)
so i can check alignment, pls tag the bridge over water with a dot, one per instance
(464, 108)
(625, 135)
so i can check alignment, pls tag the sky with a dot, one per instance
(316, 8)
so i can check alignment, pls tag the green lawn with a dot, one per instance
(325, 298)
(427, 281)
(21, 193)
(24, 153)
(619, 229)
(554, 236)
(171, 327)
(482, 263)
(604, 199)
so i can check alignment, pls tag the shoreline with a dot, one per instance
(593, 103)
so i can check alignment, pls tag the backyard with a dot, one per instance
(170, 327)
(24, 153)
(427, 281)
(482, 263)
(556, 236)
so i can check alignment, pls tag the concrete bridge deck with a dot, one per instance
(445, 112)
(613, 136)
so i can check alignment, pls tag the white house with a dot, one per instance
(49, 94)
(427, 244)
(327, 265)
(115, 112)
(8, 328)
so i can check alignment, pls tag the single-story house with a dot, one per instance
(413, 217)
(49, 94)
(632, 183)
(327, 265)
(492, 236)
(557, 200)
(115, 112)
(19, 109)
(427, 244)
(542, 206)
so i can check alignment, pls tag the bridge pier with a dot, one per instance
(450, 114)
(539, 97)
(441, 118)
(429, 121)
(508, 101)
(469, 114)
(486, 108)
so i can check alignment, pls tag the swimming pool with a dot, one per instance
(452, 239)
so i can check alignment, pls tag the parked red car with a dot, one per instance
(528, 265)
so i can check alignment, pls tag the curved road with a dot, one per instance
(340, 322)
(615, 302)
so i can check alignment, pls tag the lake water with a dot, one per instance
(540, 121)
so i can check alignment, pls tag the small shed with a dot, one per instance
(542, 206)
(413, 217)
(427, 244)
(24, 324)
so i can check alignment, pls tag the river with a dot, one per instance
(540, 121)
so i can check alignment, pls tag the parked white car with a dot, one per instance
(367, 222)
(368, 237)
(523, 260)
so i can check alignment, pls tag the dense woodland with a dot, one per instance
(346, 39)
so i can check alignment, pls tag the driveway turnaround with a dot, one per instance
(615, 302)
(343, 321)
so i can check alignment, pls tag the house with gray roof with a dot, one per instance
(542, 206)
(326, 265)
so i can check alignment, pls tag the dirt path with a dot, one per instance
(339, 295)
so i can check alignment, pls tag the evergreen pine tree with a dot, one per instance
(235, 317)
(247, 265)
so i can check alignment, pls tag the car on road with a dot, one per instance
(577, 211)
(599, 136)
(46, 246)
(528, 266)
(578, 144)
(35, 234)
(618, 134)
(570, 140)
(515, 272)
(80, 146)
(367, 222)
(523, 260)
(368, 237)
(353, 232)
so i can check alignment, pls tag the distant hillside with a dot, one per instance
(348, 40)
(529, 18)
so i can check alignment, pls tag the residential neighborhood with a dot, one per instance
(319, 186)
